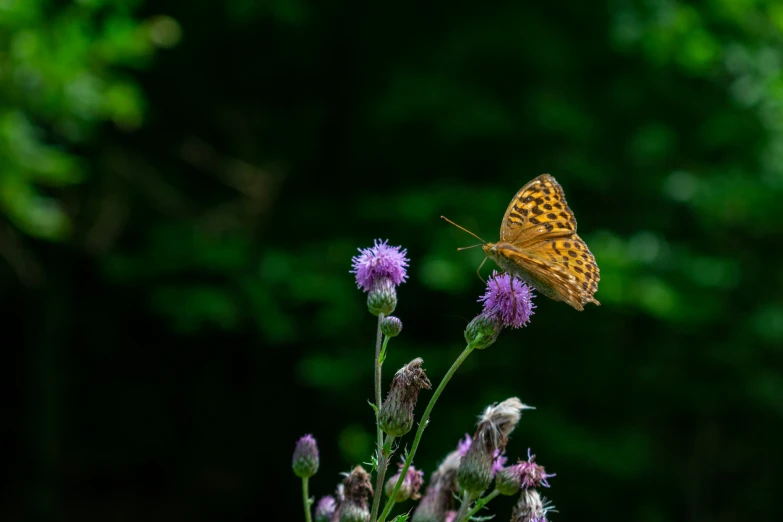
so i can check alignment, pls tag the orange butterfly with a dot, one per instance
(538, 244)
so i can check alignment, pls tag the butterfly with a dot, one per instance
(538, 244)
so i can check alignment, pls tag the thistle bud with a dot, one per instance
(488, 325)
(396, 414)
(508, 482)
(410, 487)
(382, 298)
(325, 509)
(305, 461)
(357, 489)
(531, 507)
(391, 326)
(475, 469)
(495, 424)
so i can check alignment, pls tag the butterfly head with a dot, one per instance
(490, 249)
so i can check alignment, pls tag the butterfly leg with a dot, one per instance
(478, 270)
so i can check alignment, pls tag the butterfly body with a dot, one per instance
(538, 243)
(507, 257)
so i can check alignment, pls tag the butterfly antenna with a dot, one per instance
(444, 218)
(471, 246)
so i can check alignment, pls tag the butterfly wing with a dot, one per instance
(542, 246)
(563, 270)
(538, 210)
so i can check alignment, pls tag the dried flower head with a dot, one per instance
(356, 492)
(396, 414)
(531, 507)
(380, 261)
(439, 496)
(391, 326)
(325, 509)
(495, 424)
(305, 460)
(499, 420)
(414, 480)
(508, 299)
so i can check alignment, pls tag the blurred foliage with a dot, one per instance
(181, 194)
(63, 72)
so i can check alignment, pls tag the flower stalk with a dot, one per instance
(306, 498)
(379, 433)
(480, 503)
(384, 455)
(424, 421)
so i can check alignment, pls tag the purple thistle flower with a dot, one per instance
(509, 299)
(464, 445)
(522, 475)
(534, 474)
(325, 509)
(380, 261)
(414, 480)
(500, 461)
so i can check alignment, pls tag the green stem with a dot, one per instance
(464, 507)
(379, 433)
(423, 424)
(306, 498)
(383, 465)
(378, 338)
(483, 501)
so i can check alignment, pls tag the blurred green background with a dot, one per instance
(184, 182)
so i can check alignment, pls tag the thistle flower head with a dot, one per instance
(356, 491)
(380, 261)
(305, 460)
(325, 509)
(508, 299)
(522, 475)
(396, 413)
(531, 507)
(391, 326)
(411, 484)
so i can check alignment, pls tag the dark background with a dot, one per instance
(184, 182)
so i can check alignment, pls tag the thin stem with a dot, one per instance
(379, 433)
(423, 424)
(378, 339)
(306, 498)
(464, 507)
(383, 465)
(483, 501)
